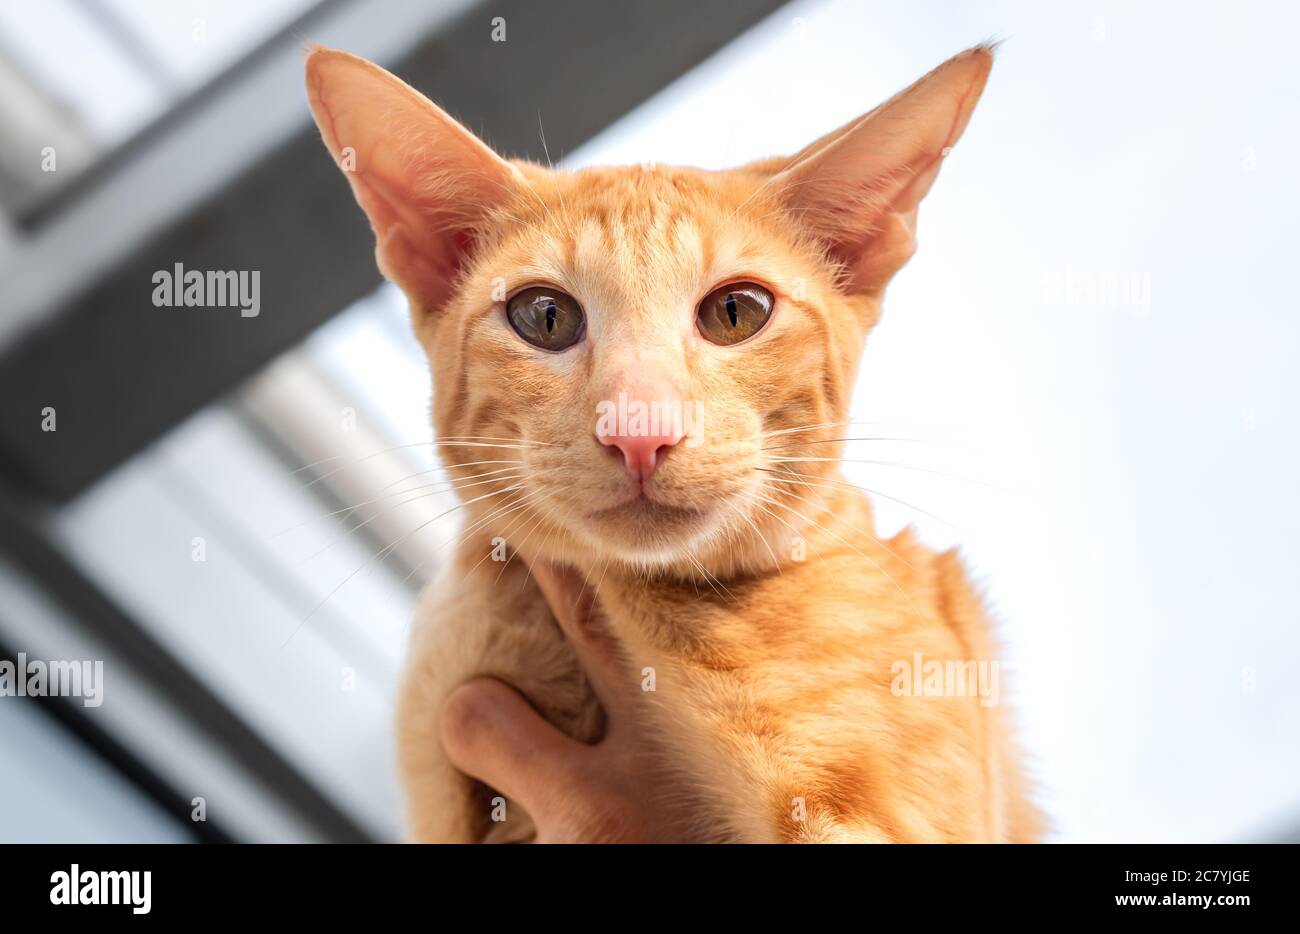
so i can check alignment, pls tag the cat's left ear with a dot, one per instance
(858, 188)
(425, 182)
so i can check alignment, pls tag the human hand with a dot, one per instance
(574, 792)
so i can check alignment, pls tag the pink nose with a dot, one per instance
(641, 453)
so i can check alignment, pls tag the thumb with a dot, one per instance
(573, 604)
(492, 733)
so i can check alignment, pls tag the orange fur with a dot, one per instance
(775, 682)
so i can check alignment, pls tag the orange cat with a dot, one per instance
(645, 372)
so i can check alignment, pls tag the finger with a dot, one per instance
(492, 733)
(571, 598)
(573, 602)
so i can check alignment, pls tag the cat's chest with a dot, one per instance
(791, 618)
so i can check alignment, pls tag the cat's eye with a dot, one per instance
(734, 312)
(546, 318)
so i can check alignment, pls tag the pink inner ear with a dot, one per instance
(465, 242)
(420, 262)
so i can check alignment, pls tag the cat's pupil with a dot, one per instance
(731, 308)
(550, 316)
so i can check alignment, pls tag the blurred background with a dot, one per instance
(235, 513)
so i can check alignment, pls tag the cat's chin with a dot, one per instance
(645, 531)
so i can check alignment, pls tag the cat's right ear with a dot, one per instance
(858, 188)
(425, 182)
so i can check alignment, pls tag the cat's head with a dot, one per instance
(625, 359)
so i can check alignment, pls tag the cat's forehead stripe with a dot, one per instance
(625, 240)
(647, 245)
